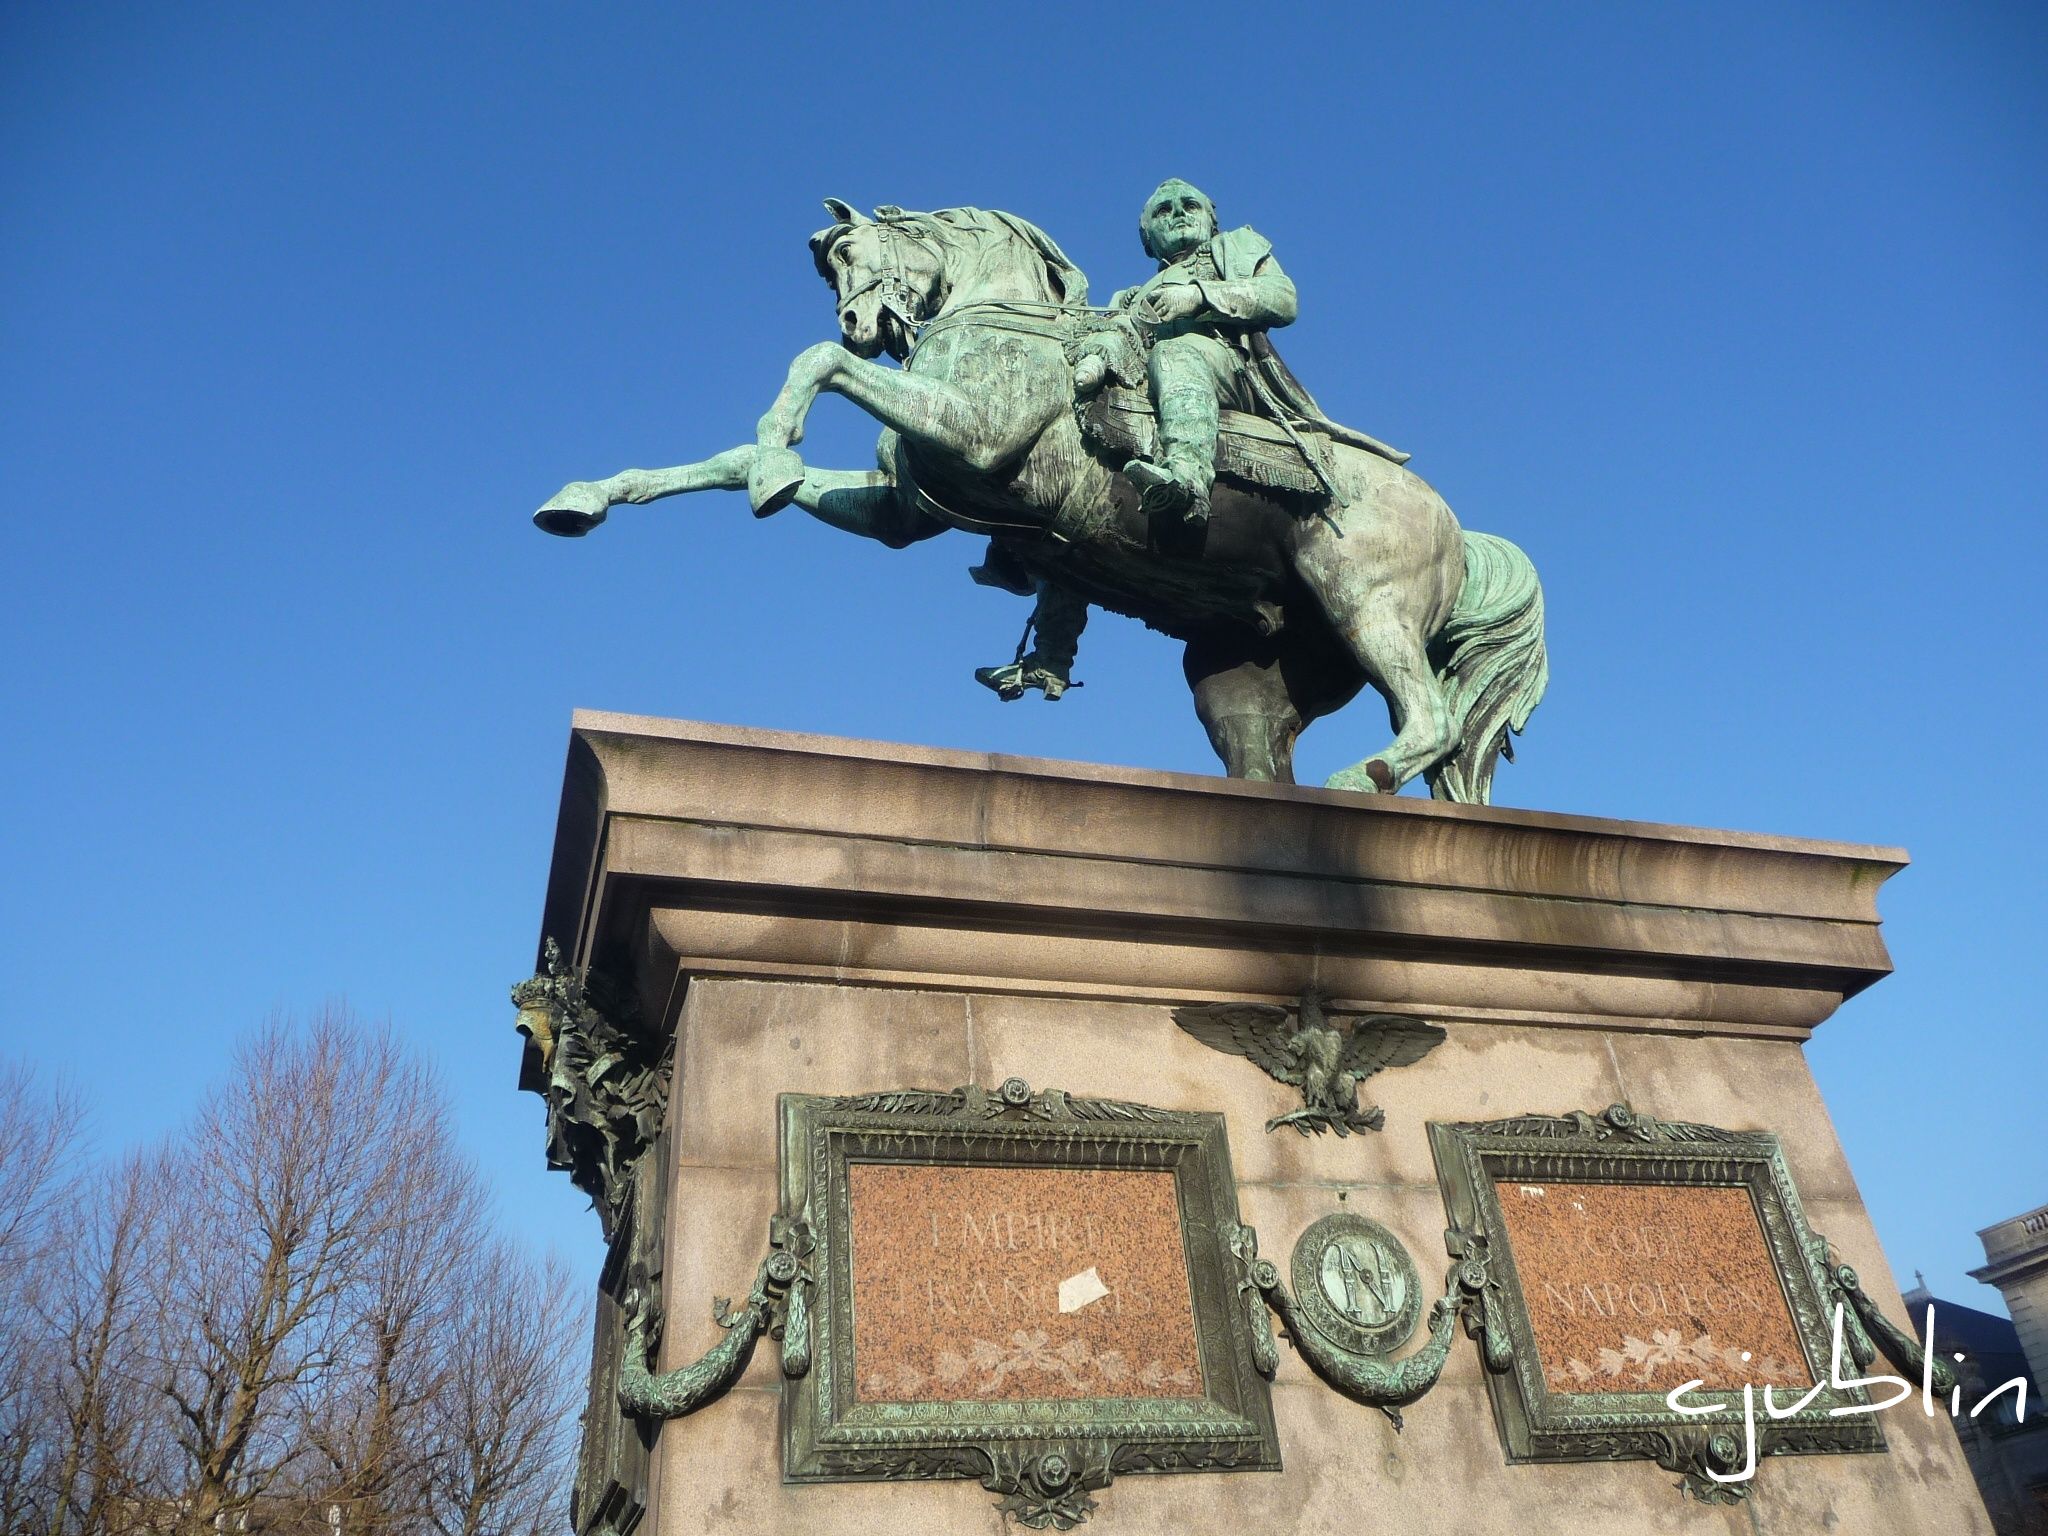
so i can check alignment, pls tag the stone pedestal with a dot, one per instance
(812, 915)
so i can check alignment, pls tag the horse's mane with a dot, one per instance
(1061, 282)
(1065, 282)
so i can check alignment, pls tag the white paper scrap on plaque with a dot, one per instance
(1076, 1291)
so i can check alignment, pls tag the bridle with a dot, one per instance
(893, 226)
(1031, 317)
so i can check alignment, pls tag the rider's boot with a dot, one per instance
(1055, 628)
(1178, 485)
(1012, 681)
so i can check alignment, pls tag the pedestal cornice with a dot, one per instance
(687, 849)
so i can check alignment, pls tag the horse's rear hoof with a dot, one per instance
(1371, 777)
(575, 510)
(777, 475)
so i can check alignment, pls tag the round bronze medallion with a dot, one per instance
(1356, 1285)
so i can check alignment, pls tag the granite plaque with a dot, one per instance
(1646, 1287)
(1018, 1284)
(1026, 1288)
(1630, 1257)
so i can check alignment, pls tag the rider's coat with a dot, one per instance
(1244, 291)
(1242, 285)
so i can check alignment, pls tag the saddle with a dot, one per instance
(1249, 448)
(1253, 449)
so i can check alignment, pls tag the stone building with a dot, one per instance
(2016, 1261)
(2007, 1450)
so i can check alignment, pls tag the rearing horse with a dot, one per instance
(1285, 615)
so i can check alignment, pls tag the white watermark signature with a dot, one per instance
(2017, 1386)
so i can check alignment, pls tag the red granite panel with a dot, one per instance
(1642, 1288)
(957, 1279)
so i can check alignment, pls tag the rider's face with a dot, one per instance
(1176, 222)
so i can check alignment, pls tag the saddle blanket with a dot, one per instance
(1248, 448)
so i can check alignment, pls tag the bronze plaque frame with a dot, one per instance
(1621, 1147)
(1042, 1452)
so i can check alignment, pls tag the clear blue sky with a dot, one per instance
(1733, 315)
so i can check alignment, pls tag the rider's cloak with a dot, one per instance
(1249, 279)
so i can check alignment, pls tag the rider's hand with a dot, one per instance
(1174, 301)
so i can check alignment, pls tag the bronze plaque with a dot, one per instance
(1018, 1284)
(1642, 1287)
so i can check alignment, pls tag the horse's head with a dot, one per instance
(888, 274)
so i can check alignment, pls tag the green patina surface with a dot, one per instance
(1155, 457)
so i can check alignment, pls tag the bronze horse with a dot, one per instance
(1286, 608)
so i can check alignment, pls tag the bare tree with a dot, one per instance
(291, 1178)
(370, 1421)
(92, 1317)
(39, 1127)
(504, 1421)
(290, 1314)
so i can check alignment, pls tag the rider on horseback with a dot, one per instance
(1323, 575)
(1214, 293)
(1204, 313)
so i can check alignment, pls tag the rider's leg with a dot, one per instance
(1191, 377)
(1056, 625)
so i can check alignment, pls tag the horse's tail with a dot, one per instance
(1492, 664)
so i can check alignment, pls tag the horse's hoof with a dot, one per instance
(1371, 777)
(575, 509)
(773, 482)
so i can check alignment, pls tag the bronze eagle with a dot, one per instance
(1326, 1063)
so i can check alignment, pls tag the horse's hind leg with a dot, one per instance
(1243, 701)
(1390, 647)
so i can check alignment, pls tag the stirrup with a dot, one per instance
(1159, 489)
(1009, 683)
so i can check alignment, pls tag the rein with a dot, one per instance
(1016, 319)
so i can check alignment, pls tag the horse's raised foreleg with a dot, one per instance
(983, 431)
(581, 505)
(857, 501)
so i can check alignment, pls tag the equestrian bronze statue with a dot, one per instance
(1156, 458)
